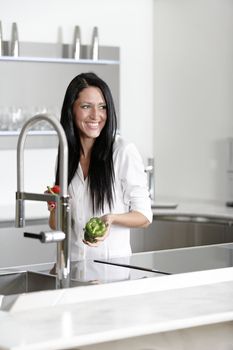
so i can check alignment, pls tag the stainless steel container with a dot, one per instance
(14, 40)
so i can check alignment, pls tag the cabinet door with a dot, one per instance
(17, 250)
(172, 234)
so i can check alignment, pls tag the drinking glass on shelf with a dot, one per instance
(12, 118)
(16, 118)
(4, 118)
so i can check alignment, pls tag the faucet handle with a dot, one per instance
(47, 237)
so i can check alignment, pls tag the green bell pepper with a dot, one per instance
(94, 228)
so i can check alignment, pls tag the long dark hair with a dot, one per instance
(101, 170)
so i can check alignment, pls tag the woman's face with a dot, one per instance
(89, 112)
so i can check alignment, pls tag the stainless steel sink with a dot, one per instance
(25, 282)
(15, 283)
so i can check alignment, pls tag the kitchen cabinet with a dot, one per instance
(191, 223)
(162, 234)
(17, 250)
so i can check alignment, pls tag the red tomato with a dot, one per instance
(55, 189)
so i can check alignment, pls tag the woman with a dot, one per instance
(105, 174)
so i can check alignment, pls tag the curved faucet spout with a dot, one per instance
(63, 207)
(63, 170)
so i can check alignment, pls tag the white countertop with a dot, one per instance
(94, 314)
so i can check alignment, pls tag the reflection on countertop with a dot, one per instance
(86, 271)
(181, 260)
(90, 271)
(19, 283)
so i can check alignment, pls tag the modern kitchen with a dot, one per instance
(169, 66)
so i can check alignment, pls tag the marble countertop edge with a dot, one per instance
(131, 332)
(159, 327)
(128, 332)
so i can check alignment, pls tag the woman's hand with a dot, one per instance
(52, 205)
(53, 190)
(98, 240)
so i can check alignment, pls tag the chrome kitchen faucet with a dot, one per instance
(63, 227)
(150, 171)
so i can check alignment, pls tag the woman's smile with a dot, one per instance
(92, 125)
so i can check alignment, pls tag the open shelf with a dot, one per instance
(32, 132)
(58, 60)
(60, 53)
(37, 79)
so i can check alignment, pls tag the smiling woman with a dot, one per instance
(105, 173)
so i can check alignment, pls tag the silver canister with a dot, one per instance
(95, 44)
(77, 43)
(14, 40)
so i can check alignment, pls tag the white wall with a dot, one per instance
(193, 96)
(124, 23)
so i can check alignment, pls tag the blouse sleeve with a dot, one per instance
(133, 180)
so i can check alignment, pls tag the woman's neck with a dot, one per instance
(85, 155)
(87, 145)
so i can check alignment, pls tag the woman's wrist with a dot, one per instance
(111, 218)
(108, 218)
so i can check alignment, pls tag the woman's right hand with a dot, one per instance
(53, 190)
(51, 206)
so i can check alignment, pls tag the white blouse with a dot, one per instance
(131, 193)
